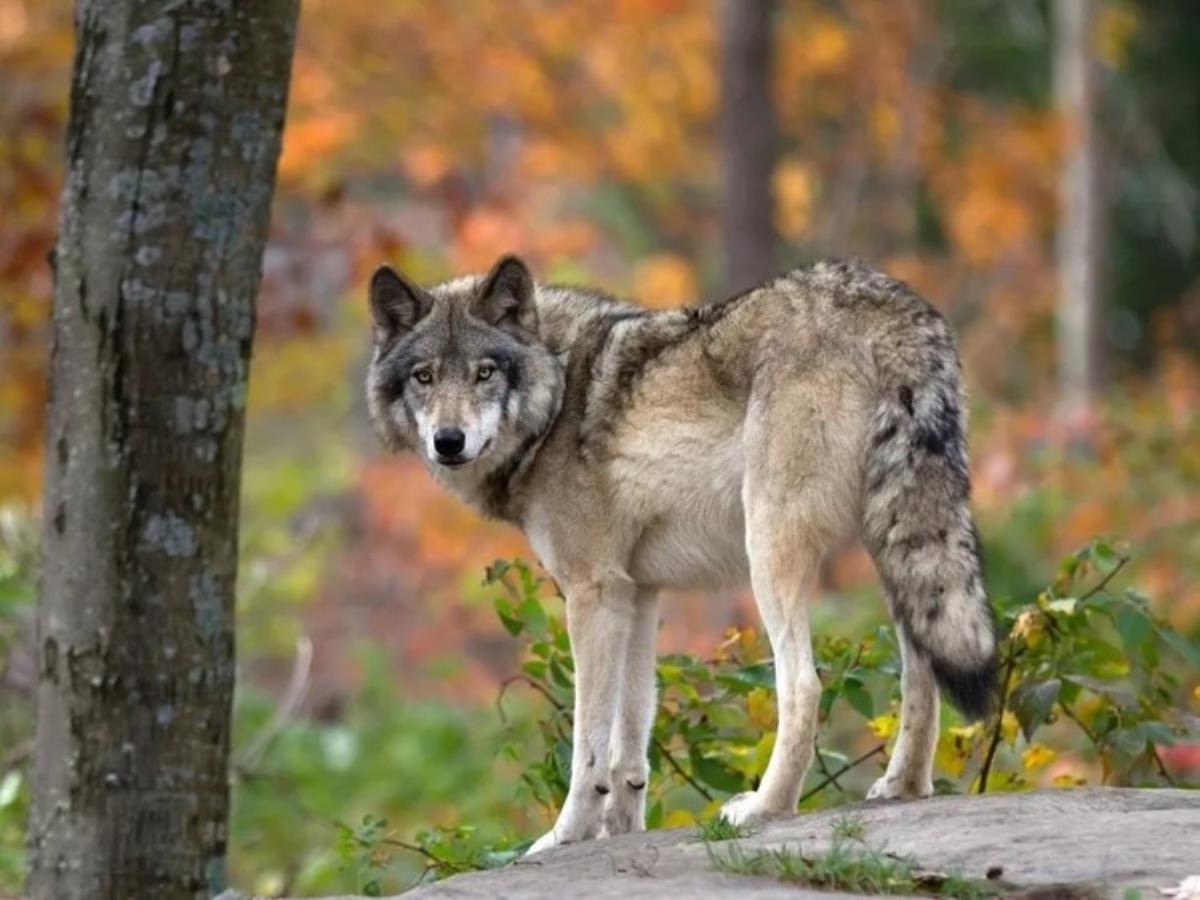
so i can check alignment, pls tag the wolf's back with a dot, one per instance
(916, 518)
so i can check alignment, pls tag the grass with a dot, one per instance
(843, 868)
(851, 828)
(720, 828)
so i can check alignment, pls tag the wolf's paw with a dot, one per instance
(749, 808)
(545, 842)
(892, 787)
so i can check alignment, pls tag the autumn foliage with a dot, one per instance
(920, 135)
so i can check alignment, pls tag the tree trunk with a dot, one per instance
(176, 114)
(747, 136)
(1079, 214)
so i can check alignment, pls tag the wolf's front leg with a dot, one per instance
(629, 769)
(599, 621)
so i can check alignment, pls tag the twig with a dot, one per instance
(833, 779)
(292, 698)
(428, 854)
(1158, 762)
(998, 731)
(1103, 583)
(526, 680)
(842, 771)
(666, 754)
(1074, 718)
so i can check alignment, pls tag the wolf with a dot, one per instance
(703, 447)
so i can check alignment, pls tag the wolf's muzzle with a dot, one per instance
(448, 443)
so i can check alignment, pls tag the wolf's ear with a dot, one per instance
(397, 304)
(506, 296)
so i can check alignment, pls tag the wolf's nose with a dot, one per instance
(449, 441)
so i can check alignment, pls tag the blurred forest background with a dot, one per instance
(930, 137)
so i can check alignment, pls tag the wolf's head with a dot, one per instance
(458, 373)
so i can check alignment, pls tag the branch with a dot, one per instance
(998, 731)
(1159, 763)
(440, 862)
(292, 698)
(1074, 718)
(531, 682)
(1103, 583)
(679, 769)
(832, 779)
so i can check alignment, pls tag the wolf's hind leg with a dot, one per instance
(910, 770)
(800, 498)
(783, 579)
(629, 768)
(600, 618)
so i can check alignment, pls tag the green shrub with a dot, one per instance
(1090, 686)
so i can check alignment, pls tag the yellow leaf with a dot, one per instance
(1037, 755)
(762, 751)
(761, 708)
(950, 757)
(793, 191)
(828, 44)
(1067, 780)
(677, 818)
(1029, 626)
(954, 747)
(1113, 668)
(1116, 27)
(1009, 726)
(884, 726)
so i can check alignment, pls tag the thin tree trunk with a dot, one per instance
(1079, 227)
(747, 137)
(176, 115)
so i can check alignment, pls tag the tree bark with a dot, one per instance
(748, 138)
(176, 113)
(1079, 225)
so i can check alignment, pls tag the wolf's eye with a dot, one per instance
(424, 377)
(484, 373)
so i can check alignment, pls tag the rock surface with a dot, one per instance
(1049, 843)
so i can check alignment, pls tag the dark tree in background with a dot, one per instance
(748, 141)
(174, 132)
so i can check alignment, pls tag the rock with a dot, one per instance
(1049, 843)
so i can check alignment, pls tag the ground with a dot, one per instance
(1076, 842)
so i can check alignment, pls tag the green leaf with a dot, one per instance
(856, 695)
(535, 668)
(747, 678)
(1133, 625)
(1157, 733)
(1032, 701)
(1126, 740)
(716, 774)
(512, 625)
(654, 816)
(1181, 645)
(559, 675)
(531, 613)
(1105, 557)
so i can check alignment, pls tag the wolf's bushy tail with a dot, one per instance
(916, 519)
